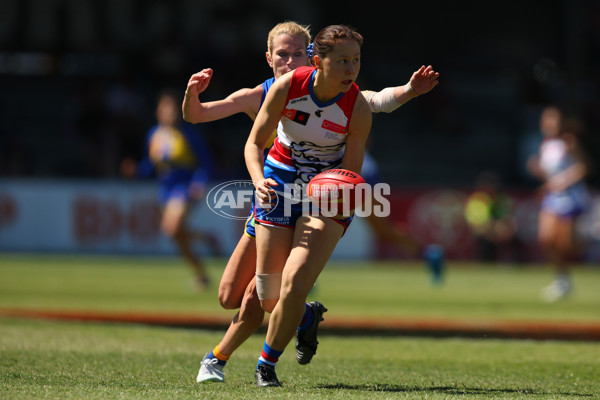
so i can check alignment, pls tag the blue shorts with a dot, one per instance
(173, 191)
(175, 184)
(250, 222)
(569, 203)
(285, 212)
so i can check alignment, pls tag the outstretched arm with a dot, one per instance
(387, 100)
(194, 111)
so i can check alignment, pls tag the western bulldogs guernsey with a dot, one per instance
(313, 134)
(554, 159)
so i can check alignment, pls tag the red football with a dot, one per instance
(336, 186)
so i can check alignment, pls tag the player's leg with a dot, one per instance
(173, 225)
(238, 273)
(314, 240)
(565, 233)
(547, 229)
(245, 323)
(548, 236)
(241, 266)
(209, 239)
(237, 289)
(273, 246)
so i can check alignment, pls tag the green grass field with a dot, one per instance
(42, 359)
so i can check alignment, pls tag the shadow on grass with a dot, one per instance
(445, 389)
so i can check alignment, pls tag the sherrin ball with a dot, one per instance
(336, 186)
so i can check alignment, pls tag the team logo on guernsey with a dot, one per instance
(298, 116)
(332, 126)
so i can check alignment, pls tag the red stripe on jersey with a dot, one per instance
(302, 75)
(280, 153)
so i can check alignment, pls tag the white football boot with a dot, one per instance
(557, 290)
(210, 371)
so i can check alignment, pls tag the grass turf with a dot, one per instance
(349, 289)
(53, 360)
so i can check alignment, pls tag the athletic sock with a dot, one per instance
(216, 353)
(307, 318)
(269, 356)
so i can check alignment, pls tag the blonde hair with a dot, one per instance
(290, 28)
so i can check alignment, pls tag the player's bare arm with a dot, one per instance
(264, 125)
(389, 99)
(194, 111)
(358, 132)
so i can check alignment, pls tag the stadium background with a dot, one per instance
(79, 81)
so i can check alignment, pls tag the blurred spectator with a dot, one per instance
(562, 166)
(177, 154)
(489, 215)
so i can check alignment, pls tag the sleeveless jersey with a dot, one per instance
(168, 147)
(266, 85)
(314, 133)
(554, 159)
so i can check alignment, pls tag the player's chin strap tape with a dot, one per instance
(268, 286)
(383, 101)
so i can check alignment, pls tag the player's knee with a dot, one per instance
(251, 297)
(545, 241)
(229, 300)
(268, 305)
(169, 230)
(268, 287)
(296, 286)
(251, 308)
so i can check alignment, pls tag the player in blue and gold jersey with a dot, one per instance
(178, 156)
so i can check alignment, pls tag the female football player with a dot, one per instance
(562, 166)
(286, 50)
(325, 122)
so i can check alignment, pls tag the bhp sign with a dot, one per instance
(101, 220)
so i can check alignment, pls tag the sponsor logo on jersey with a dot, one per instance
(318, 113)
(299, 100)
(298, 116)
(332, 126)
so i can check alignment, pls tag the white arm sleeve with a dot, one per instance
(382, 101)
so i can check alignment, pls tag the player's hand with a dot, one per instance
(424, 80)
(199, 82)
(534, 168)
(265, 194)
(197, 190)
(128, 168)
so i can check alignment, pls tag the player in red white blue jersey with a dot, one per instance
(287, 50)
(311, 138)
(562, 166)
(290, 258)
